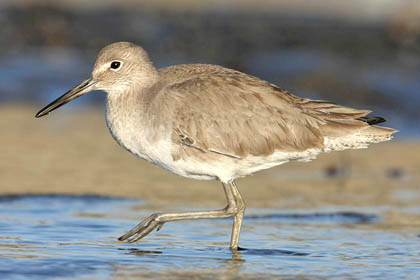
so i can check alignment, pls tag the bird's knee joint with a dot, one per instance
(231, 209)
(156, 217)
(241, 208)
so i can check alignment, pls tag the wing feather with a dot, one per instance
(234, 114)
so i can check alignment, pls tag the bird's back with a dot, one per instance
(222, 116)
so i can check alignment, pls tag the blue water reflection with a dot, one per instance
(57, 236)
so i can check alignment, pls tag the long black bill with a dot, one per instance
(79, 90)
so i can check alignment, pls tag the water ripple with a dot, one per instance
(56, 236)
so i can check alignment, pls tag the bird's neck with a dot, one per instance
(126, 119)
(130, 97)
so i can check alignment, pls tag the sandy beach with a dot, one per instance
(72, 152)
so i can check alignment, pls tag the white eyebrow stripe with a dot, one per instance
(102, 68)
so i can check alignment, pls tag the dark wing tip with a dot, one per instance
(371, 120)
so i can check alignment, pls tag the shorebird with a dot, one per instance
(208, 122)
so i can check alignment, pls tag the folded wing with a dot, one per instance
(237, 115)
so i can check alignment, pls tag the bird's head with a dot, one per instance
(119, 68)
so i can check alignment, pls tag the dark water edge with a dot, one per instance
(62, 236)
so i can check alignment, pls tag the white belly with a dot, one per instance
(155, 147)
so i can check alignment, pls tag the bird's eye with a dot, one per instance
(115, 65)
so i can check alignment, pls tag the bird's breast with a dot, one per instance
(127, 129)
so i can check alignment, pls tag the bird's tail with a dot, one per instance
(348, 128)
(356, 133)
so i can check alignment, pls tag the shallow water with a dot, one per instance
(44, 237)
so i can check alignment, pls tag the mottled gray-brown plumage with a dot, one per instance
(219, 109)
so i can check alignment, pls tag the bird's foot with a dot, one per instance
(142, 229)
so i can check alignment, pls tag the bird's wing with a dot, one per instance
(237, 115)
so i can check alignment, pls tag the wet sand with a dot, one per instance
(72, 152)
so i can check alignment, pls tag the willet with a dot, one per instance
(212, 123)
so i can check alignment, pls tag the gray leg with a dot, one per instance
(235, 207)
(237, 220)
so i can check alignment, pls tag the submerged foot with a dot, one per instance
(142, 229)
